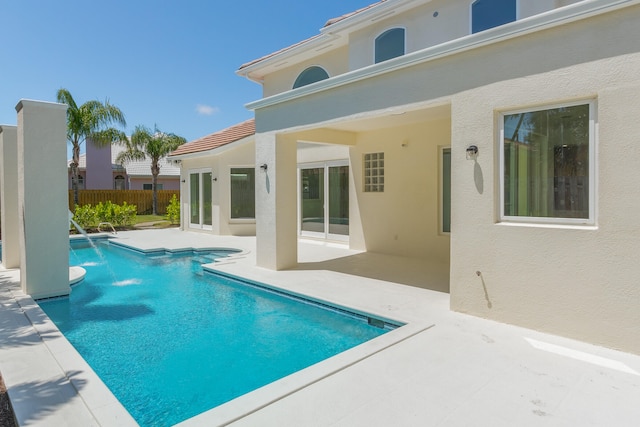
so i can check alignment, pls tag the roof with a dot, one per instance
(326, 25)
(218, 139)
(350, 14)
(133, 168)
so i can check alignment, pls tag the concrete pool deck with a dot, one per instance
(442, 369)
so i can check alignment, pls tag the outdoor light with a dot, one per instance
(472, 151)
(263, 167)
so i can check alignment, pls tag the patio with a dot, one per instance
(443, 368)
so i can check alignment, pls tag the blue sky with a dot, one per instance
(170, 63)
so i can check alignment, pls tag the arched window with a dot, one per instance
(118, 182)
(389, 44)
(310, 75)
(487, 14)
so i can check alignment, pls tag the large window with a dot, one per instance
(487, 14)
(389, 44)
(243, 193)
(310, 75)
(547, 164)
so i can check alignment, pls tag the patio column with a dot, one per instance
(43, 203)
(9, 196)
(276, 208)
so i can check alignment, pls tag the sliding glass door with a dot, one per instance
(324, 200)
(200, 199)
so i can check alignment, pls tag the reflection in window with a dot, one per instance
(310, 75)
(243, 194)
(389, 44)
(487, 14)
(547, 164)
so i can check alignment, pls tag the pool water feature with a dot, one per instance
(172, 341)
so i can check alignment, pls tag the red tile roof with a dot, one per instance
(328, 23)
(218, 139)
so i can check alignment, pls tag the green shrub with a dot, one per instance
(85, 216)
(173, 210)
(88, 216)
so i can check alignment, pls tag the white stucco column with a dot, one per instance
(43, 198)
(276, 209)
(9, 196)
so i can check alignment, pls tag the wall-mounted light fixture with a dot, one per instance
(184, 180)
(263, 167)
(472, 152)
(214, 179)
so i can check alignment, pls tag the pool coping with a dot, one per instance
(105, 408)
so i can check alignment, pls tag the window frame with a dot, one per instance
(379, 186)
(592, 169)
(380, 34)
(246, 220)
(118, 178)
(471, 3)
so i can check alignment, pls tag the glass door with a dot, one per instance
(324, 201)
(312, 202)
(194, 199)
(338, 202)
(207, 200)
(200, 199)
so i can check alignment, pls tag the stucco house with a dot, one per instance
(218, 181)
(494, 139)
(99, 170)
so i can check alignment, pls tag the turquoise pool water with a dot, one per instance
(172, 341)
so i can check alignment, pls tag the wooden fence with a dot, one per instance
(141, 198)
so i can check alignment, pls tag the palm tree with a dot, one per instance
(142, 144)
(90, 121)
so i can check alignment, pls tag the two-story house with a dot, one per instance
(493, 138)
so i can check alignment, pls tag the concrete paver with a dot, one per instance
(442, 369)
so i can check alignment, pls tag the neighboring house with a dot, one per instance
(492, 139)
(98, 170)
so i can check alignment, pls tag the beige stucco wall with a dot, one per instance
(242, 155)
(43, 209)
(578, 282)
(427, 25)
(404, 219)
(9, 207)
(334, 63)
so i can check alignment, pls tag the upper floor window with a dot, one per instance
(310, 75)
(389, 44)
(487, 14)
(548, 165)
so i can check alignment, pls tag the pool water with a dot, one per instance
(172, 341)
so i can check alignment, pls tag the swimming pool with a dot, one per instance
(172, 341)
